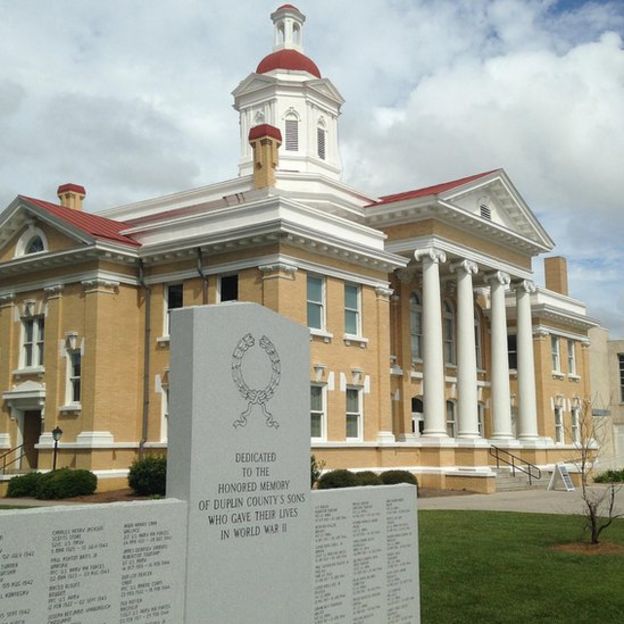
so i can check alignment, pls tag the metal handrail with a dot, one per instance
(4, 456)
(531, 470)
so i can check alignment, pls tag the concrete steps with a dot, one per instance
(507, 482)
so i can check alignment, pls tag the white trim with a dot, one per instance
(467, 253)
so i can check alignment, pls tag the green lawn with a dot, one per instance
(497, 568)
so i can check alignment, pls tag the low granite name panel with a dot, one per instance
(96, 564)
(366, 556)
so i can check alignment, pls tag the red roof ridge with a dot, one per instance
(430, 190)
(92, 224)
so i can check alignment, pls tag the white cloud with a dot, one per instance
(132, 99)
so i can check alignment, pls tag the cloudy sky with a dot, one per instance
(131, 98)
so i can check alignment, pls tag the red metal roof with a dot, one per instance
(429, 190)
(287, 6)
(257, 132)
(92, 224)
(288, 59)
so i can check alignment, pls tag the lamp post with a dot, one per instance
(57, 432)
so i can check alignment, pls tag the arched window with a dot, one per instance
(478, 338)
(34, 245)
(296, 34)
(321, 135)
(450, 419)
(418, 422)
(448, 327)
(32, 241)
(280, 33)
(292, 132)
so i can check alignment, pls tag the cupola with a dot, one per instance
(288, 92)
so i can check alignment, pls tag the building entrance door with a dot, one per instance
(30, 435)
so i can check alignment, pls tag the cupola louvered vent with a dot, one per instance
(320, 139)
(292, 135)
(486, 211)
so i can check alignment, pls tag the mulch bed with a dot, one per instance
(583, 548)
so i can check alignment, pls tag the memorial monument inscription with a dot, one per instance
(241, 539)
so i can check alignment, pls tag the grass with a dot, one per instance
(499, 568)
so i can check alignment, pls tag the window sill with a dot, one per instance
(72, 407)
(320, 333)
(558, 375)
(573, 377)
(31, 370)
(162, 340)
(358, 340)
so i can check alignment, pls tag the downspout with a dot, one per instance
(200, 270)
(146, 356)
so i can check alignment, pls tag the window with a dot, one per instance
(554, 350)
(164, 423)
(416, 326)
(317, 412)
(621, 364)
(571, 358)
(320, 142)
(512, 351)
(352, 309)
(32, 241)
(34, 245)
(559, 435)
(481, 419)
(478, 342)
(316, 302)
(74, 362)
(448, 324)
(450, 419)
(174, 298)
(32, 346)
(576, 430)
(229, 288)
(354, 414)
(292, 133)
(514, 421)
(418, 421)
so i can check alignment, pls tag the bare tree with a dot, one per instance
(599, 501)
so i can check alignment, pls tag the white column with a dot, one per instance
(527, 413)
(501, 400)
(466, 351)
(433, 363)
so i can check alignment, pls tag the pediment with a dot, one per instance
(253, 82)
(325, 87)
(493, 197)
(22, 221)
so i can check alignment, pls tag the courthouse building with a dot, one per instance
(430, 343)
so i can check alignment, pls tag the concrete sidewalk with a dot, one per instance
(529, 501)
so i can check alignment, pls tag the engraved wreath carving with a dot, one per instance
(255, 396)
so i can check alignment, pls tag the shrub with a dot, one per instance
(24, 485)
(316, 468)
(610, 476)
(337, 479)
(368, 477)
(391, 477)
(65, 483)
(148, 475)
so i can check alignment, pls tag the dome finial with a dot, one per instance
(288, 21)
